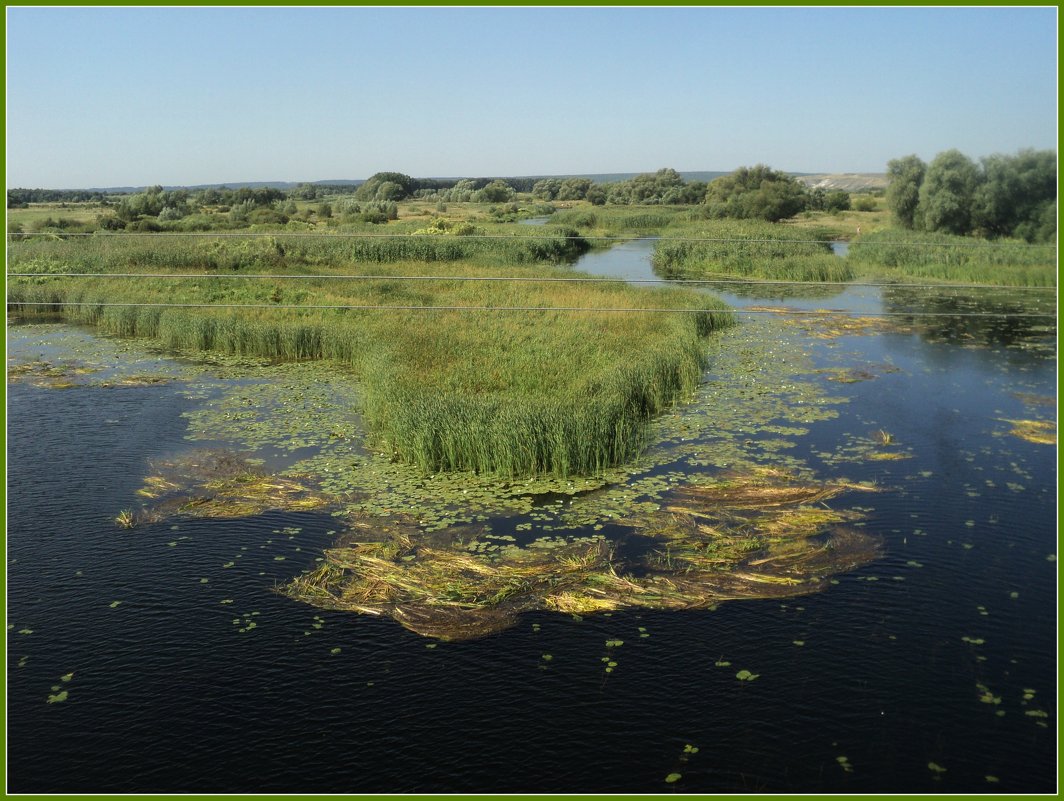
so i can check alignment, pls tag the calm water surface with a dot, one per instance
(930, 670)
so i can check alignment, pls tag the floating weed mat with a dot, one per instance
(744, 537)
(69, 374)
(219, 483)
(758, 535)
(52, 356)
(1041, 432)
(829, 324)
(49, 375)
(877, 446)
(853, 375)
(1035, 400)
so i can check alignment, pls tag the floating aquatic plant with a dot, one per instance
(713, 543)
(220, 483)
(1042, 432)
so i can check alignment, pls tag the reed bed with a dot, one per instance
(507, 246)
(901, 255)
(513, 393)
(713, 544)
(747, 249)
(617, 220)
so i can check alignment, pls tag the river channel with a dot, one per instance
(160, 658)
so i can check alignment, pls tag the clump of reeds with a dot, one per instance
(748, 250)
(943, 257)
(514, 393)
(127, 518)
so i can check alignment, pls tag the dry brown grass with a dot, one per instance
(752, 536)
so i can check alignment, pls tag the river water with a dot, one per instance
(133, 666)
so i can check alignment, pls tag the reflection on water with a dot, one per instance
(1015, 316)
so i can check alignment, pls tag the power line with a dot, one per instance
(514, 237)
(526, 279)
(593, 309)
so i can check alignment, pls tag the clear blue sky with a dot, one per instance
(132, 96)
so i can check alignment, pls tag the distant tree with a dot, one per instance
(386, 186)
(757, 192)
(903, 192)
(498, 191)
(574, 189)
(1042, 230)
(1014, 193)
(837, 201)
(596, 195)
(947, 194)
(546, 189)
(864, 203)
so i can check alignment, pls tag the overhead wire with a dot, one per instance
(525, 279)
(593, 309)
(597, 237)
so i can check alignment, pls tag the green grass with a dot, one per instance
(621, 221)
(902, 255)
(512, 393)
(508, 245)
(747, 249)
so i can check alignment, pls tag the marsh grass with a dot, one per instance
(748, 250)
(747, 536)
(621, 221)
(507, 392)
(900, 255)
(505, 246)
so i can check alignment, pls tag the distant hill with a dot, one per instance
(845, 181)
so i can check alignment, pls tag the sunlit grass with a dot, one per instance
(510, 392)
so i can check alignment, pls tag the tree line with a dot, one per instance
(1000, 196)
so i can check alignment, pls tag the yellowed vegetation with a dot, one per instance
(746, 536)
(1042, 432)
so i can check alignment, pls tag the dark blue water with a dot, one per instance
(898, 669)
